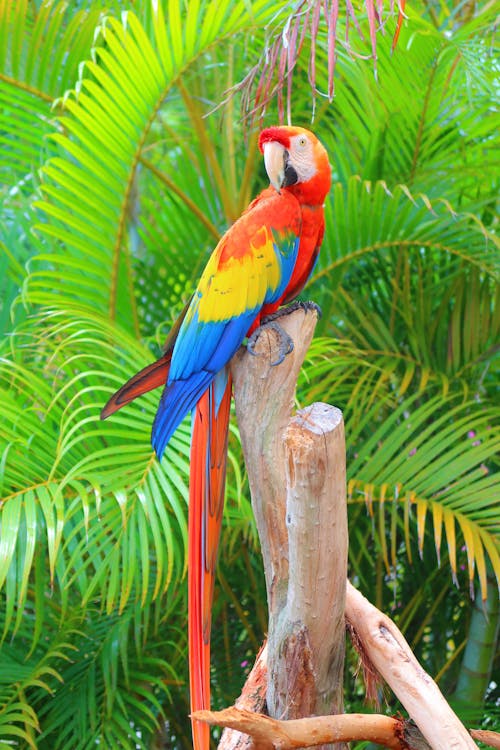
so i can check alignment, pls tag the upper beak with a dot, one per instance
(274, 160)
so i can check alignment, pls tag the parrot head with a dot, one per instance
(296, 161)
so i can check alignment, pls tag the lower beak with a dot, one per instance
(274, 160)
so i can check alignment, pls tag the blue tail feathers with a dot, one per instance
(178, 399)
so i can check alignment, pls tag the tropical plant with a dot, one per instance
(117, 181)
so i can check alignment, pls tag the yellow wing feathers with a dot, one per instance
(238, 283)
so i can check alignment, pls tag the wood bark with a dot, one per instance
(296, 471)
(489, 738)
(252, 698)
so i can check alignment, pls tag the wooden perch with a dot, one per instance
(252, 698)
(296, 471)
(394, 660)
(489, 738)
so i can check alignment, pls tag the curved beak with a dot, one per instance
(274, 160)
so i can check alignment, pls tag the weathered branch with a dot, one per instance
(252, 698)
(383, 643)
(271, 733)
(391, 655)
(489, 738)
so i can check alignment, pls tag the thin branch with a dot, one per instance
(317, 730)
(252, 698)
(489, 738)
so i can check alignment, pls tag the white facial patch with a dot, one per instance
(302, 157)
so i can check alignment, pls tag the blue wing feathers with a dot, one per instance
(232, 334)
(181, 395)
(208, 346)
(287, 255)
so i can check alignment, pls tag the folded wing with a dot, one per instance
(250, 268)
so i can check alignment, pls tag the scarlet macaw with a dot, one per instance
(262, 262)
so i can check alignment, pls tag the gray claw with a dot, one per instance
(285, 341)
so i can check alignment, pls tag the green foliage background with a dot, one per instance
(116, 179)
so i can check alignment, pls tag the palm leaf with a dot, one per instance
(90, 187)
(109, 685)
(88, 497)
(405, 250)
(22, 673)
(40, 53)
(79, 658)
(423, 453)
(430, 134)
(138, 186)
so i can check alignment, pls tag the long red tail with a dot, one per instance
(206, 503)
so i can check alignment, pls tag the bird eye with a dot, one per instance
(302, 140)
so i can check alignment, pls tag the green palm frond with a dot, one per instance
(40, 52)
(211, 187)
(97, 684)
(435, 467)
(18, 721)
(24, 670)
(420, 280)
(420, 449)
(90, 186)
(108, 685)
(92, 500)
(17, 245)
(430, 133)
(363, 217)
(110, 107)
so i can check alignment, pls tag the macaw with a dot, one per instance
(262, 262)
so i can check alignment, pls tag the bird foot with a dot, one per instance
(269, 322)
(285, 341)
